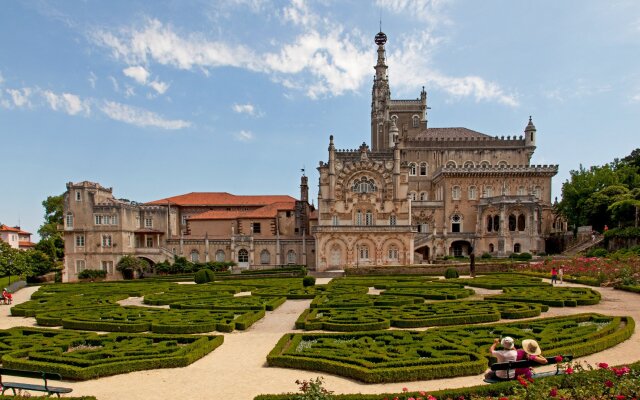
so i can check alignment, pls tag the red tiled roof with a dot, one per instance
(221, 199)
(313, 214)
(26, 244)
(268, 211)
(449, 133)
(5, 228)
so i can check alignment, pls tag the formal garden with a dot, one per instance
(372, 329)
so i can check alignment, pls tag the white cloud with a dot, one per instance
(299, 14)
(114, 83)
(66, 102)
(424, 10)
(140, 117)
(20, 97)
(159, 87)
(248, 109)
(635, 98)
(1, 79)
(578, 89)
(92, 79)
(412, 67)
(160, 43)
(244, 136)
(137, 73)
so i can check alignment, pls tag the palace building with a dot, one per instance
(414, 194)
(420, 192)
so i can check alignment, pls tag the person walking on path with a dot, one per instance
(561, 274)
(554, 276)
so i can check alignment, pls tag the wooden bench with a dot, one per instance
(513, 365)
(45, 376)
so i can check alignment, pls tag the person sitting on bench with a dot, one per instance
(6, 296)
(508, 354)
(530, 351)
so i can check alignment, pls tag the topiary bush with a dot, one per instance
(92, 274)
(308, 281)
(486, 256)
(451, 273)
(597, 252)
(204, 275)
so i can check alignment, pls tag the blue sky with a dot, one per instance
(159, 98)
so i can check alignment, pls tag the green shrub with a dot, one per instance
(308, 281)
(525, 256)
(451, 273)
(486, 256)
(92, 274)
(204, 275)
(597, 252)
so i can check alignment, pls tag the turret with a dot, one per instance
(530, 138)
(304, 189)
(393, 134)
(380, 96)
(332, 169)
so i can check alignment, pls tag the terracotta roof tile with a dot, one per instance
(268, 211)
(221, 199)
(5, 228)
(26, 244)
(449, 133)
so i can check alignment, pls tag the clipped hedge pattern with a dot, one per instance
(413, 316)
(158, 320)
(87, 355)
(433, 292)
(231, 303)
(551, 296)
(393, 356)
(500, 281)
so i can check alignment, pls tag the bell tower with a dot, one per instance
(380, 96)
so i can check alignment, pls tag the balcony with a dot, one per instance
(364, 228)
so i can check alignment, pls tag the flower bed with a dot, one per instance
(551, 296)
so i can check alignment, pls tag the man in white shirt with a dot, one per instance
(508, 354)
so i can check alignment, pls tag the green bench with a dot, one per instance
(45, 376)
(513, 365)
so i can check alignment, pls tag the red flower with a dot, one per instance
(405, 389)
(553, 392)
(504, 398)
(422, 393)
(608, 384)
(569, 371)
(522, 381)
(603, 365)
(621, 397)
(431, 398)
(558, 359)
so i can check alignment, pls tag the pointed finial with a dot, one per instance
(530, 118)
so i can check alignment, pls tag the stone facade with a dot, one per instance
(465, 190)
(253, 231)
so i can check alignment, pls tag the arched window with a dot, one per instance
(521, 191)
(537, 192)
(69, 220)
(512, 223)
(106, 240)
(243, 256)
(368, 218)
(489, 223)
(291, 257)
(488, 191)
(468, 164)
(393, 220)
(413, 196)
(496, 223)
(517, 248)
(195, 256)
(358, 217)
(413, 169)
(473, 193)
(423, 168)
(220, 256)
(491, 248)
(265, 257)
(393, 253)
(485, 164)
(451, 164)
(521, 222)
(424, 196)
(502, 163)
(416, 121)
(456, 222)
(363, 252)
(455, 192)
(364, 185)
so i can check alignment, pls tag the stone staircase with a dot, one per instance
(583, 246)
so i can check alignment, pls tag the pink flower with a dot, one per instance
(569, 371)
(430, 397)
(553, 392)
(422, 393)
(558, 359)
(411, 398)
(621, 397)
(405, 389)
(603, 365)
(608, 384)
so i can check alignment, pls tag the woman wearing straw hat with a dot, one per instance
(530, 351)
